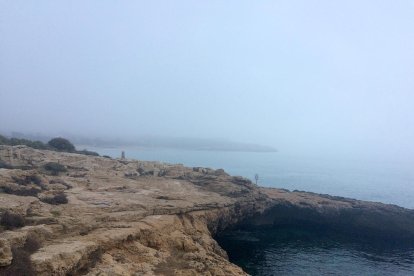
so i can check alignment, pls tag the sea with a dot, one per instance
(291, 251)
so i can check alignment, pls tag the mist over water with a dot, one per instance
(314, 78)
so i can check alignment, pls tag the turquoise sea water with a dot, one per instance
(291, 251)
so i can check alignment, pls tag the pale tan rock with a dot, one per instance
(63, 257)
(127, 217)
(5, 253)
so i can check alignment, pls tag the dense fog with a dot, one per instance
(299, 76)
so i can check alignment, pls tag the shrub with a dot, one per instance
(32, 243)
(19, 181)
(22, 192)
(17, 141)
(29, 143)
(57, 199)
(4, 165)
(61, 144)
(4, 140)
(10, 220)
(54, 168)
(60, 198)
(38, 145)
(35, 179)
(87, 152)
(28, 179)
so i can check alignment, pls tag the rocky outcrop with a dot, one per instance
(122, 216)
(366, 220)
(126, 217)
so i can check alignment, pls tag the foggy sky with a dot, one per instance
(331, 76)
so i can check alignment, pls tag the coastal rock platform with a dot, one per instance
(104, 216)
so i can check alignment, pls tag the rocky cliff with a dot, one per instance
(71, 214)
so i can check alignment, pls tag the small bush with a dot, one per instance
(4, 140)
(57, 199)
(61, 144)
(32, 243)
(35, 179)
(28, 179)
(11, 221)
(26, 142)
(60, 198)
(38, 145)
(6, 189)
(19, 181)
(22, 192)
(56, 181)
(54, 168)
(87, 152)
(25, 187)
(4, 165)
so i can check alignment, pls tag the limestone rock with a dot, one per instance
(5, 253)
(129, 217)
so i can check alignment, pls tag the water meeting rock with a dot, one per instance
(121, 220)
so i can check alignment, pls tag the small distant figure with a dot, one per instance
(256, 177)
(123, 155)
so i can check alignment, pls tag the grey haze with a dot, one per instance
(306, 76)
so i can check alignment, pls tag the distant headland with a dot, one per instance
(156, 142)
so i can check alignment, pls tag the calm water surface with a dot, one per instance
(384, 181)
(290, 251)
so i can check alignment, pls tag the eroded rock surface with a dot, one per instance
(123, 217)
(127, 217)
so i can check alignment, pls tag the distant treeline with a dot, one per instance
(56, 144)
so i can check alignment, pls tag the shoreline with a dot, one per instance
(167, 212)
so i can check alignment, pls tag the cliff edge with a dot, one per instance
(71, 214)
